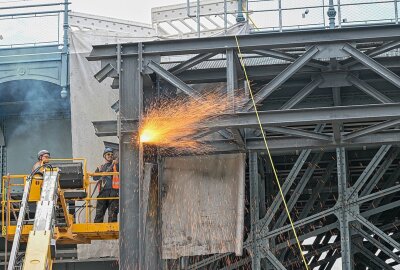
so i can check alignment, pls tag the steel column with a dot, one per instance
(343, 216)
(337, 100)
(65, 54)
(131, 156)
(231, 77)
(254, 208)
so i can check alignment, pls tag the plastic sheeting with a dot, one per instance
(203, 204)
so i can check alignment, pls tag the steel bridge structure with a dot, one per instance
(329, 102)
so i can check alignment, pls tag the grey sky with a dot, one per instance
(133, 10)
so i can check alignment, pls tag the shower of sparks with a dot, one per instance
(174, 123)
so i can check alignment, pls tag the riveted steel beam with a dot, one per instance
(371, 256)
(371, 129)
(308, 116)
(288, 72)
(172, 79)
(363, 178)
(380, 209)
(377, 231)
(368, 89)
(131, 245)
(299, 188)
(251, 42)
(373, 65)
(304, 236)
(287, 184)
(302, 94)
(191, 63)
(254, 207)
(378, 244)
(289, 57)
(343, 215)
(300, 133)
(274, 261)
(379, 194)
(370, 185)
(280, 145)
(374, 52)
(317, 190)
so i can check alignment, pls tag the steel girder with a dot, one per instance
(309, 116)
(250, 42)
(343, 215)
(372, 64)
(254, 207)
(282, 77)
(378, 126)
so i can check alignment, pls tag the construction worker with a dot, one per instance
(43, 158)
(108, 187)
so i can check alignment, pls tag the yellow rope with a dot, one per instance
(269, 154)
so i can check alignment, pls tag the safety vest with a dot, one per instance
(115, 178)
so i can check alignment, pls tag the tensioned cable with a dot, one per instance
(269, 155)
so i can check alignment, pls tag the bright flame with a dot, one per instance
(175, 122)
(148, 136)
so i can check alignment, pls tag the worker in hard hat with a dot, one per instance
(43, 157)
(108, 188)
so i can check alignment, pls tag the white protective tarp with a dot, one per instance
(203, 205)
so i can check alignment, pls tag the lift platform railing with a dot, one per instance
(10, 206)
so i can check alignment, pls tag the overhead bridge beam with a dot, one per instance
(280, 145)
(250, 42)
(340, 114)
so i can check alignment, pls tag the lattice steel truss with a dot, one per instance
(329, 102)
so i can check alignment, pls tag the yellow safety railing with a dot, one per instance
(10, 181)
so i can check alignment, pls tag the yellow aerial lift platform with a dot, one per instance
(53, 187)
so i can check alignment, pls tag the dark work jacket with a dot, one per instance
(106, 181)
